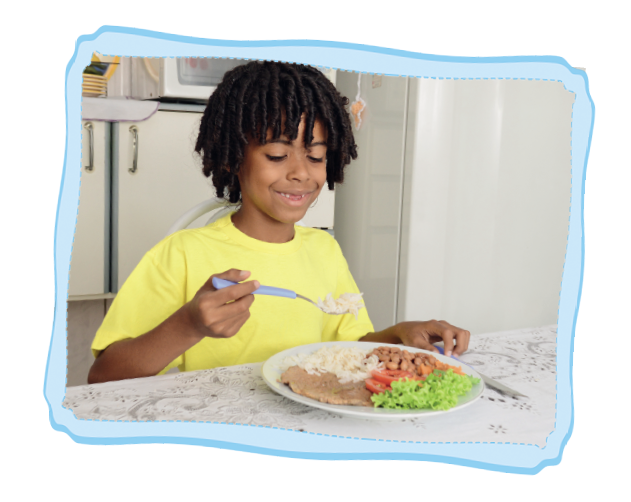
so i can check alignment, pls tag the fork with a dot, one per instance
(500, 387)
(269, 291)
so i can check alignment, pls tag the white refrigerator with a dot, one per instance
(457, 207)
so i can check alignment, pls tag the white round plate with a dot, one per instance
(271, 371)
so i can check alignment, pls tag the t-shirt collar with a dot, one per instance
(233, 233)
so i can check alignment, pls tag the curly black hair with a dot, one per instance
(251, 99)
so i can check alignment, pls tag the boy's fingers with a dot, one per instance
(462, 342)
(461, 337)
(220, 297)
(237, 308)
(234, 275)
(230, 327)
(422, 342)
(221, 319)
(448, 341)
(232, 293)
(237, 323)
(233, 317)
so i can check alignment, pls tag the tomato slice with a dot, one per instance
(376, 387)
(389, 376)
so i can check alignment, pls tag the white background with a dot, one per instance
(38, 39)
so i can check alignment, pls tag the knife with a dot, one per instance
(500, 387)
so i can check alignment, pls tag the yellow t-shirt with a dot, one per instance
(171, 273)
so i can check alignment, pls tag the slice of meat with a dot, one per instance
(326, 388)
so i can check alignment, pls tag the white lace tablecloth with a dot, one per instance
(525, 360)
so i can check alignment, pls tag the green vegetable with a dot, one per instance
(440, 391)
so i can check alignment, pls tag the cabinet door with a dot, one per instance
(89, 270)
(367, 205)
(167, 181)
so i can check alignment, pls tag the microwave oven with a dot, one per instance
(174, 79)
(178, 79)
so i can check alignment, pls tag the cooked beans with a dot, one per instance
(393, 358)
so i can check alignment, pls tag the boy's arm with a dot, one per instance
(147, 354)
(213, 313)
(422, 334)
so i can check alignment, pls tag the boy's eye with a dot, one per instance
(275, 159)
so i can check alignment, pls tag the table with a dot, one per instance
(523, 359)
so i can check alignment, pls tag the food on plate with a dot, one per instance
(386, 377)
(416, 381)
(349, 364)
(394, 358)
(327, 388)
(439, 391)
(347, 303)
(377, 387)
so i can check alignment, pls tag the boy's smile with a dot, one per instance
(294, 199)
(279, 182)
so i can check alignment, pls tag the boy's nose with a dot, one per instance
(298, 169)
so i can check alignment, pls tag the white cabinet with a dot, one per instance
(166, 181)
(144, 175)
(89, 265)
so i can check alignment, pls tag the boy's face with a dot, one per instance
(282, 178)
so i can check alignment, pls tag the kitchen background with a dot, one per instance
(457, 207)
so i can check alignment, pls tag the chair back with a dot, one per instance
(219, 208)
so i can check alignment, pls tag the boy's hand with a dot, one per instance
(221, 313)
(423, 334)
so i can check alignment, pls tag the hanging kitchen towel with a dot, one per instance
(117, 109)
(359, 105)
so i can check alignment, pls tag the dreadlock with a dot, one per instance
(251, 99)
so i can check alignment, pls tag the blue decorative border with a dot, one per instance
(516, 458)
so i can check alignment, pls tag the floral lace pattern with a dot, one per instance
(524, 360)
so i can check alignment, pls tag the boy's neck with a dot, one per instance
(261, 227)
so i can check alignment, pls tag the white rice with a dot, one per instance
(347, 303)
(348, 364)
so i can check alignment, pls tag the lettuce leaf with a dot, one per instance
(440, 391)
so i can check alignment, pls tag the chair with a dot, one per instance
(220, 207)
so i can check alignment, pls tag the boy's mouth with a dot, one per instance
(293, 199)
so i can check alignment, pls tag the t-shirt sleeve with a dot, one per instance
(148, 297)
(345, 327)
